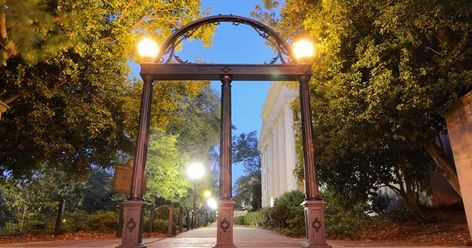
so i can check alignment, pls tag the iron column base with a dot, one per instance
(224, 224)
(132, 226)
(314, 224)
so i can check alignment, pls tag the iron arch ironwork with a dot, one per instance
(284, 50)
(171, 67)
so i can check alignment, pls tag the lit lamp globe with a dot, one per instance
(207, 193)
(303, 50)
(195, 171)
(212, 203)
(148, 48)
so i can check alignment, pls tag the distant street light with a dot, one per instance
(212, 203)
(207, 193)
(303, 49)
(195, 171)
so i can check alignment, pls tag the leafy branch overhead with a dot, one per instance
(65, 76)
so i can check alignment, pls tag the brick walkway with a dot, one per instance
(244, 237)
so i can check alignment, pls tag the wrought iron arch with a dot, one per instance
(283, 49)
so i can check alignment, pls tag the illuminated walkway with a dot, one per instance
(245, 237)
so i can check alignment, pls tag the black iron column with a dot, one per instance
(224, 237)
(133, 207)
(313, 205)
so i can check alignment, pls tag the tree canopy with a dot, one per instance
(383, 75)
(65, 77)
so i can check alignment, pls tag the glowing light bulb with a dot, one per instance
(147, 47)
(195, 171)
(207, 193)
(303, 49)
(212, 203)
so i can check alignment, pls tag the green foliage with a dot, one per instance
(286, 216)
(29, 200)
(99, 221)
(250, 219)
(197, 124)
(248, 187)
(343, 218)
(161, 226)
(72, 102)
(102, 221)
(164, 168)
(76, 221)
(98, 194)
(291, 199)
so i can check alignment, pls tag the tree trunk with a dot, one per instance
(170, 231)
(187, 218)
(152, 217)
(60, 213)
(411, 199)
(180, 219)
(23, 217)
(119, 228)
(444, 166)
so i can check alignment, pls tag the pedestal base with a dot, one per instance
(132, 236)
(314, 224)
(224, 224)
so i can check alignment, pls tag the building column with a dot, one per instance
(275, 162)
(282, 154)
(224, 227)
(314, 207)
(263, 178)
(290, 159)
(271, 167)
(459, 128)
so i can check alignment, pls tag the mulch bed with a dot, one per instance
(450, 229)
(67, 236)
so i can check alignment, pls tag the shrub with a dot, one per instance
(290, 199)
(295, 224)
(76, 221)
(239, 220)
(11, 228)
(160, 226)
(253, 218)
(102, 221)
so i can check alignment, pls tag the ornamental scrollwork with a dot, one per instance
(283, 50)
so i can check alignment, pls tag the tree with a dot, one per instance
(98, 194)
(383, 75)
(248, 187)
(72, 103)
(197, 124)
(164, 168)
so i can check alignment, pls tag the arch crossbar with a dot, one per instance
(167, 53)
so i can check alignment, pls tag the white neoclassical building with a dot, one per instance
(277, 143)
